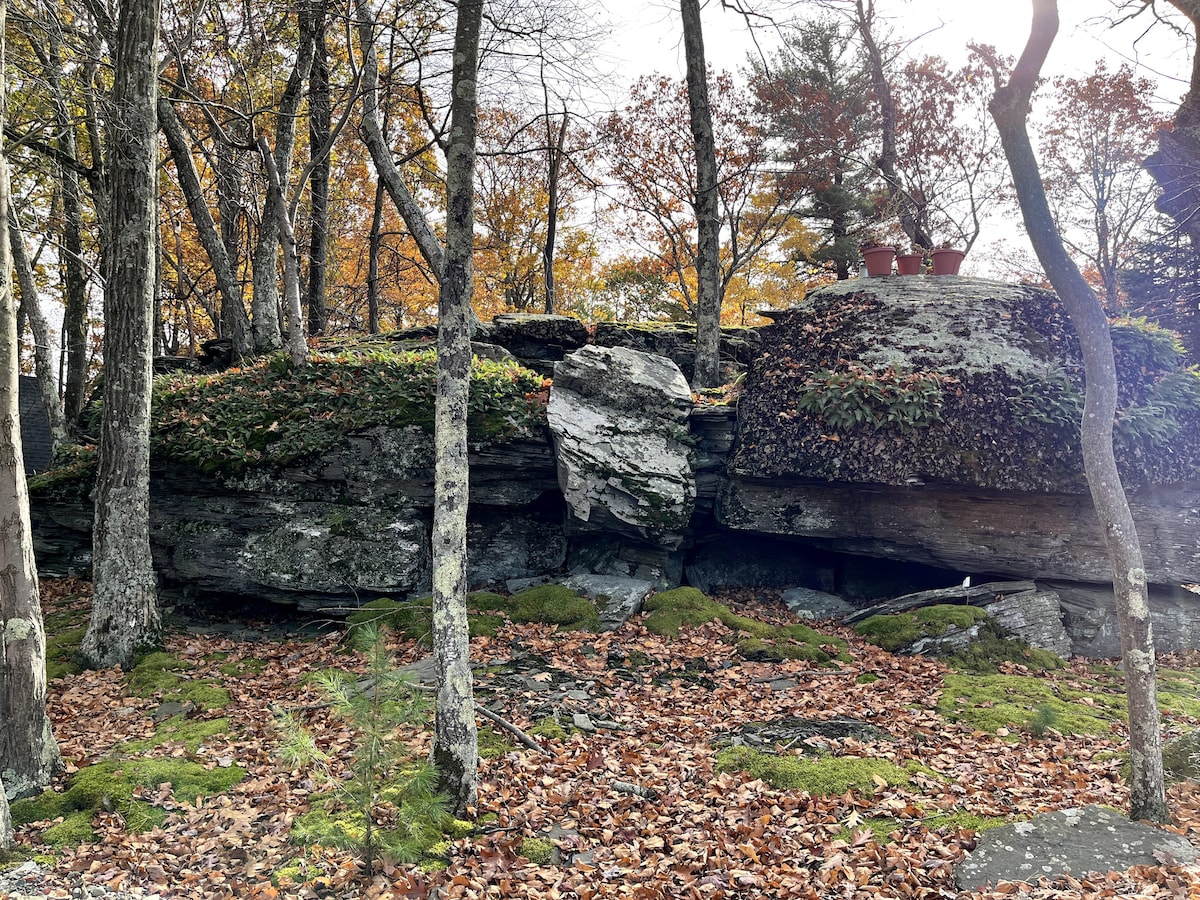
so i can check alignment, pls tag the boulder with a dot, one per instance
(1181, 756)
(539, 341)
(619, 422)
(1069, 841)
(677, 342)
(1090, 616)
(616, 598)
(809, 604)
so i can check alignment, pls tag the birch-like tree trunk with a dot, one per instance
(31, 306)
(320, 127)
(297, 347)
(455, 752)
(125, 616)
(6, 835)
(708, 217)
(28, 754)
(206, 228)
(1009, 108)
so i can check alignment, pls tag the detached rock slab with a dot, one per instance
(1074, 841)
(616, 598)
(619, 419)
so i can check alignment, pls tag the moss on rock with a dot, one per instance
(892, 632)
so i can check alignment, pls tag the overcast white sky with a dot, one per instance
(646, 36)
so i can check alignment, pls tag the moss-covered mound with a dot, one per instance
(551, 604)
(166, 677)
(964, 381)
(891, 632)
(668, 611)
(111, 785)
(823, 776)
(273, 413)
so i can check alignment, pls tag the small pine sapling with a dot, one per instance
(386, 796)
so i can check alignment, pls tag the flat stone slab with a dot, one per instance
(1075, 841)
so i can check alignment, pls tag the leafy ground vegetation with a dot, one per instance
(176, 783)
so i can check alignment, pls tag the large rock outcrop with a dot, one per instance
(891, 435)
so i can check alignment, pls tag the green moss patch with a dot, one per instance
(538, 851)
(822, 776)
(668, 611)
(548, 728)
(991, 702)
(987, 652)
(111, 784)
(493, 744)
(166, 676)
(892, 632)
(486, 612)
(191, 733)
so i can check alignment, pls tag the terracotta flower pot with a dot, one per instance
(946, 261)
(909, 264)
(879, 260)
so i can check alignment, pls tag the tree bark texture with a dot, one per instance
(206, 228)
(31, 306)
(381, 154)
(265, 305)
(296, 346)
(455, 746)
(708, 218)
(6, 833)
(319, 129)
(1009, 108)
(555, 151)
(374, 248)
(125, 616)
(28, 754)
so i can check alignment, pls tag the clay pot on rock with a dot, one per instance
(909, 264)
(879, 260)
(947, 261)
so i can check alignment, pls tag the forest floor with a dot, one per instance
(637, 806)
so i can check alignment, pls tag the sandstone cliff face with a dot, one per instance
(887, 439)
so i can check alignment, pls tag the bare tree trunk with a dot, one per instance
(455, 751)
(206, 228)
(319, 130)
(31, 305)
(266, 253)
(381, 154)
(555, 151)
(6, 833)
(374, 248)
(296, 346)
(708, 220)
(125, 616)
(28, 754)
(1009, 108)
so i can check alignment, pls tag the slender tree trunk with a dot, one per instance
(266, 253)
(28, 754)
(210, 238)
(319, 130)
(708, 220)
(31, 305)
(455, 745)
(381, 153)
(125, 616)
(374, 247)
(75, 313)
(555, 152)
(6, 833)
(296, 345)
(1009, 108)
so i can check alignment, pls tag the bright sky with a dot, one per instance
(647, 39)
(646, 36)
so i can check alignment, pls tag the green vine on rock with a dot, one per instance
(855, 396)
